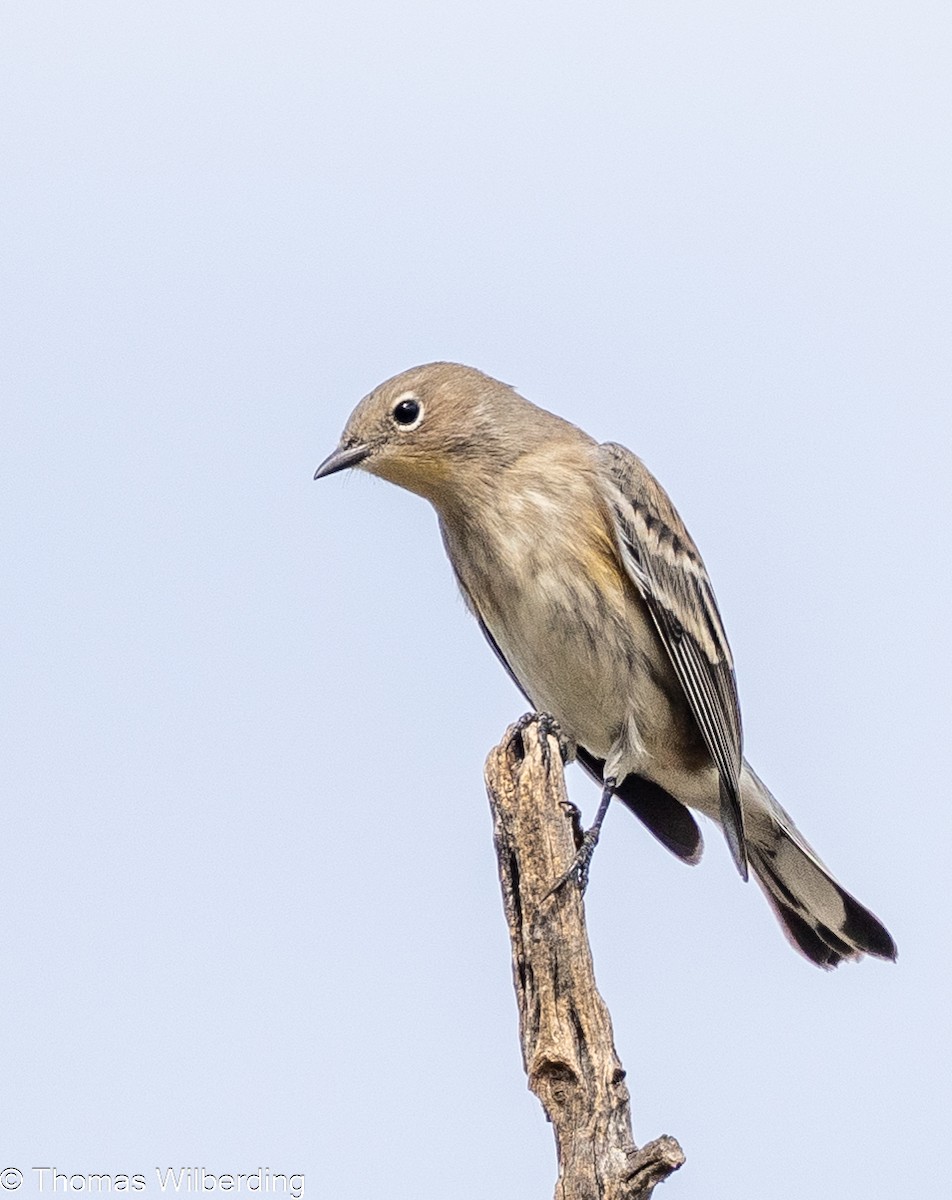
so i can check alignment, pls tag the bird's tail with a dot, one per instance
(820, 918)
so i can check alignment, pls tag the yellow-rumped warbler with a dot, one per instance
(593, 595)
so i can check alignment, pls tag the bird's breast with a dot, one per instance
(542, 573)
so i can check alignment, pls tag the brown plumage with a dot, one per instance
(593, 595)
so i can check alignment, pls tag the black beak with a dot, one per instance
(342, 458)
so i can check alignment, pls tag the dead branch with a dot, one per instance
(567, 1045)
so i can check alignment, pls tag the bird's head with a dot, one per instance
(437, 430)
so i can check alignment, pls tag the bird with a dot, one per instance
(591, 592)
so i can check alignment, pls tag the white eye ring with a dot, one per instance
(407, 412)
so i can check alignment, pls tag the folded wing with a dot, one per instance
(666, 568)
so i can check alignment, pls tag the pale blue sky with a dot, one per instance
(249, 914)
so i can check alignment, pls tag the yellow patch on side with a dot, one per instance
(598, 558)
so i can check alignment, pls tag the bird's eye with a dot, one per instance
(407, 412)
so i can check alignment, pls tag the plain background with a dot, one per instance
(249, 914)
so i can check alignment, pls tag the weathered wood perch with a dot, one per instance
(566, 1032)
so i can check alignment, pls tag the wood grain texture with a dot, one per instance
(566, 1032)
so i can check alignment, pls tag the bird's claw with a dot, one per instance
(548, 727)
(579, 866)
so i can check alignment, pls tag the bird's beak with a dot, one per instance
(342, 458)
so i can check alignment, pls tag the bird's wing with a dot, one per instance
(666, 568)
(667, 818)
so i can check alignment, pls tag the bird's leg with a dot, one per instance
(583, 858)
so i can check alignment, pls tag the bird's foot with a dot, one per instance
(548, 727)
(580, 865)
(578, 869)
